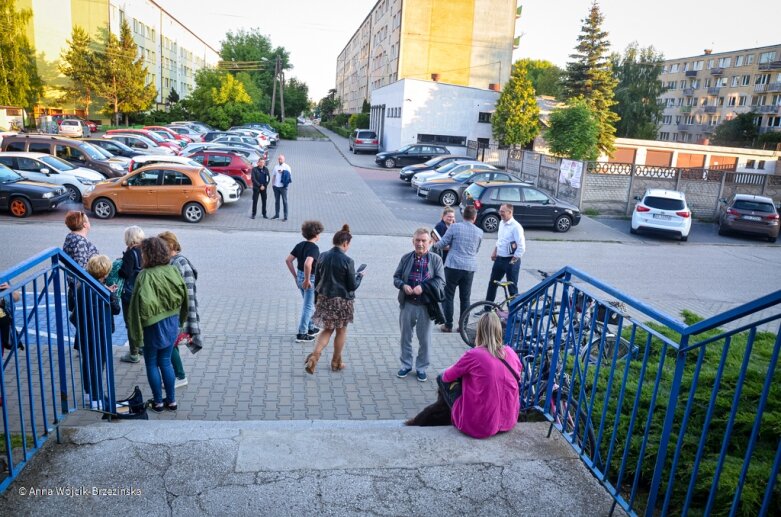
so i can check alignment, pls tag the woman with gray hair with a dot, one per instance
(131, 266)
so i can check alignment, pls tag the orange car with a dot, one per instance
(159, 189)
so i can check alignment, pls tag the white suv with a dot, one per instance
(227, 187)
(663, 211)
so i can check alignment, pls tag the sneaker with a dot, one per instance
(304, 338)
(313, 331)
(445, 328)
(422, 377)
(403, 372)
(180, 383)
(130, 358)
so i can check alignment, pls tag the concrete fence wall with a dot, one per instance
(610, 188)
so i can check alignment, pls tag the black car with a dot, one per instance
(213, 135)
(116, 147)
(408, 172)
(448, 191)
(531, 206)
(409, 154)
(22, 197)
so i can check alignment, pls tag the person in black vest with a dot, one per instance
(131, 266)
(260, 180)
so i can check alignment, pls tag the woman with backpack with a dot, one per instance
(131, 266)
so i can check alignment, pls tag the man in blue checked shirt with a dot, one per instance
(510, 246)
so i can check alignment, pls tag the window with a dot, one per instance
(711, 63)
(664, 69)
(732, 101)
(739, 60)
(26, 164)
(750, 164)
(682, 84)
(720, 101)
(674, 68)
(725, 62)
(767, 57)
(721, 82)
(715, 119)
(484, 117)
(761, 164)
(664, 136)
(506, 195)
(708, 82)
(762, 79)
(144, 179)
(695, 83)
(757, 100)
(534, 196)
(745, 80)
(742, 101)
(678, 119)
(686, 67)
(680, 101)
(750, 59)
(698, 65)
(218, 160)
(176, 178)
(774, 121)
(735, 80)
(38, 148)
(441, 139)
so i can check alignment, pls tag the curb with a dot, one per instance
(345, 156)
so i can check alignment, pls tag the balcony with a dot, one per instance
(760, 88)
(773, 65)
(710, 109)
(685, 127)
(716, 71)
(691, 73)
(705, 128)
(774, 87)
(688, 92)
(714, 90)
(685, 109)
(767, 109)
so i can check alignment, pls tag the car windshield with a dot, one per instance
(7, 175)
(56, 163)
(403, 149)
(663, 203)
(91, 151)
(756, 206)
(432, 161)
(447, 167)
(154, 136)
(463, 176)
(104, 152)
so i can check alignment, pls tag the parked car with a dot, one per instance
(251, 155)
(139, 142)
(448, 191)
(662, 211)
(158, 189)
(230, 164)
(201, 127)
(449, 170)
(71, 128)
(171, 134)
(92, 125)
(111, 157)
(409, 172)
(115, 147)
(242, 141)
(151, 135)
(228, 189)
(75, 152)
(22, 197)
(261, 138)
(409, 154)
(531, 206)
(754, 215)
(46, 168)
(213, 135)
(364, 140)
(187, 131)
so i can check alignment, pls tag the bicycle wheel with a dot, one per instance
(567, 415)
(591, 352)
(467, 323)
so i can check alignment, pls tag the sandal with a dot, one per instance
(311, 363)
(170, 406)
(157, 408)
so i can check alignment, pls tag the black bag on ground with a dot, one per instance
(131, 408)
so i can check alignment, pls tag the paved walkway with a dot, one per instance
(305, 468)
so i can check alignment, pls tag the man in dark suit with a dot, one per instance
(260, 180)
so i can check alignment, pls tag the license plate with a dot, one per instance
(662, 217)
(752, 218)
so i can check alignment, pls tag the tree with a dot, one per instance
(296, 97)
(20, 84)
(173, 96)
(222, 100)
(516, 120)
(574, 132)
(366, 107)
(544, 76)
(638, 91)
(78, 63)
(589, 76)
(328, 105)
(121, 77)
(741, 131)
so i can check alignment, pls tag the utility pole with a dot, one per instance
(282, 93)
(279, 75)
(274, 88)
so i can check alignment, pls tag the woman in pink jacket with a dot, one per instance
(480, 391)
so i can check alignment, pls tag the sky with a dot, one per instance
(316, 31)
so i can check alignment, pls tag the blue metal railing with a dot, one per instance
(673, 417)
(54, 305)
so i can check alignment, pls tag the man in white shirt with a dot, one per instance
(280, 180)
(510, 246)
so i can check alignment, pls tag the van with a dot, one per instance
(80, 154)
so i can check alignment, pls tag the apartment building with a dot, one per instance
(460, 42)
(704, 91)
(172, 52)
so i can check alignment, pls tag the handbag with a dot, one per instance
(130, 408)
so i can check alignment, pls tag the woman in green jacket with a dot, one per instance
(157, 308)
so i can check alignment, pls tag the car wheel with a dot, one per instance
(354, 150)
(722, 231)
(772, 239)
(241, 187)
(390, 163)
(563, 224)
(20, 207)
(103, 208)
(73, 193)
(490, 223)
(448, 198)
(193, 212)
(684, 239)
(222, 199)
(632, 231)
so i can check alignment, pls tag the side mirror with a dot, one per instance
(46, 171)
(124, 183)
(637, 198)
(723, 200)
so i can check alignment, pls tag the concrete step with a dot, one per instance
(305, 468)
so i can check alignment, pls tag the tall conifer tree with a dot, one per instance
(516, 120)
